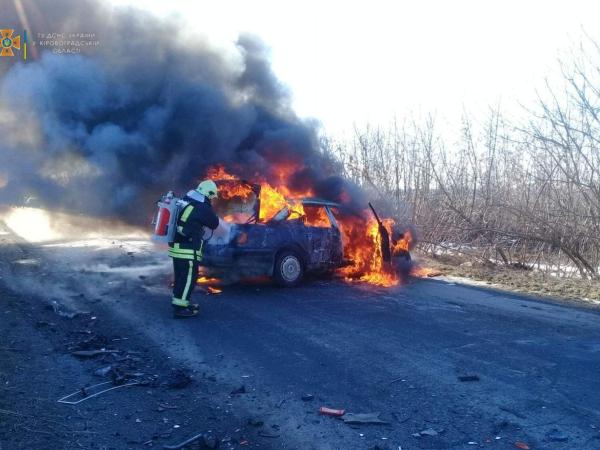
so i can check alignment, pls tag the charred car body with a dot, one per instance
(302, 237)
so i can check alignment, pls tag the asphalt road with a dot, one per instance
(398, 351)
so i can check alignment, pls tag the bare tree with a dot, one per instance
(526, 194)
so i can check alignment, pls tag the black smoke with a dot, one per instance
(107, 131)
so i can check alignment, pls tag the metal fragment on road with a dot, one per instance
(184, 443)
(92, 353)
(428, 432)
(85, 392)
(103, 371)
(364, 418)
(268, 435)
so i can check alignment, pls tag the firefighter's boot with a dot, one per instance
(184, 312)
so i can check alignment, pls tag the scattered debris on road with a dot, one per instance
(163, 406)
(184, 443)
(63, 311)
(521, 445)
(307, 397)
(93, 353)
(426, 432)
(395, 380)
(238, 391)
(86, 393)
(556, 435)
(323, 410)
(103, 371)
(363, 418)
(268, 435)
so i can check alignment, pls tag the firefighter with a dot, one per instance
(186, 250)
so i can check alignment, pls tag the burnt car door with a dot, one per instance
(323, 237)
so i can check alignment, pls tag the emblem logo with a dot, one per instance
(8, 42)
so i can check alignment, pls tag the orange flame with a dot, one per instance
(404, 244)
(206, 280)
(362, 245)
(214, 290)
(425, 272)
(218, 172)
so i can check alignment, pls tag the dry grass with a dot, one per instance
(518, 280)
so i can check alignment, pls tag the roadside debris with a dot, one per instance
(86, 393)
(93, 353)
(426, 432)
(238, 391)
(395, 380)
(323, 410)
(307, 397)
(62, 311)
(556, 435)
(364, 418)
(92, 342)
(466, 378)
(103, 371)
(521, 445)
(163, 406)
(268, 435)
(184, 443)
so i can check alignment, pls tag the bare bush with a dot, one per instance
(523, 194)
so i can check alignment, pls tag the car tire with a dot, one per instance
(288, 270)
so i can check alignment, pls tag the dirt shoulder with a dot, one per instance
(515, 280)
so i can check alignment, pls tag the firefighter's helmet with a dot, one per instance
(208, 188)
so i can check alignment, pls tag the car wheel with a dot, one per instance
(288, 268)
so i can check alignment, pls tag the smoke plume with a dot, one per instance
(107, 131)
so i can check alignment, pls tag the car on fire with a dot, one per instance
(302, 237)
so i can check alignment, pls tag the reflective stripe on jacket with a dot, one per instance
(186, 253)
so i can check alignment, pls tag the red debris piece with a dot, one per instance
(521, 445)
(331, 412)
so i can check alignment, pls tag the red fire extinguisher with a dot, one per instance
(163, 217)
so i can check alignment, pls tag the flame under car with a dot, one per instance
(302, 237)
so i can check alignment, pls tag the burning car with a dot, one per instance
(262, 233)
